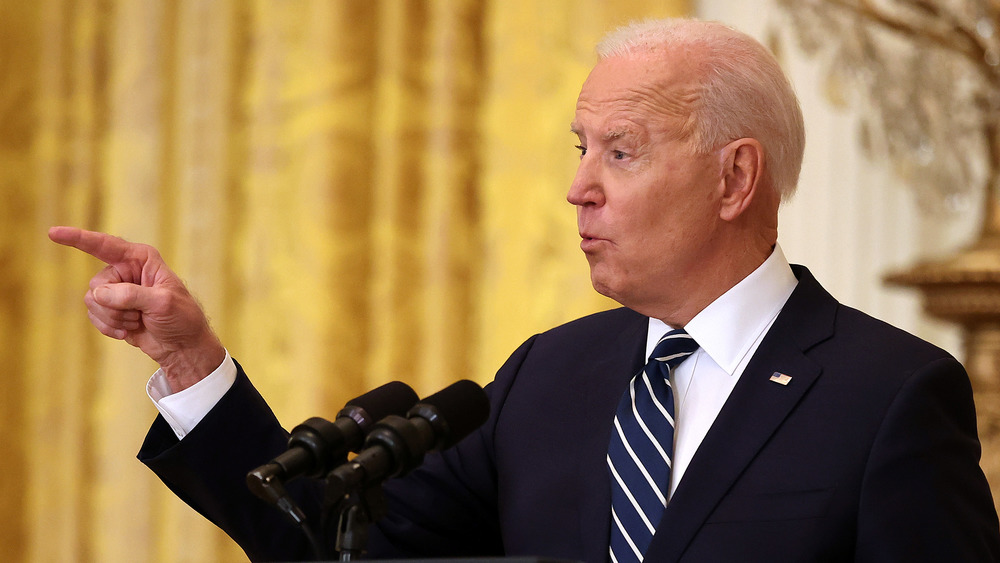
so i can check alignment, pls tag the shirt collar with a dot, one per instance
(729, 326)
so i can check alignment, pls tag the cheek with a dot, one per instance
(671, 225)
(658, 214)
(655, 235)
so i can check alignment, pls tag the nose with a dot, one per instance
(586, 189)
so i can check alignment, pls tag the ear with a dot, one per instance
(742, 176)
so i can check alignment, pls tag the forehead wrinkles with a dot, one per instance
(653, 106)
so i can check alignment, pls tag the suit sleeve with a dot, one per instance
(447, 507)
(924, 496)
(207, 470)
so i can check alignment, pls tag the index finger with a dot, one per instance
(106, 248)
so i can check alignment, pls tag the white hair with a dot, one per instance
(742, 92)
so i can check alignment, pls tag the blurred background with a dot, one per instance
(358, 192)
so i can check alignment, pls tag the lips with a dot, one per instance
(590, 242)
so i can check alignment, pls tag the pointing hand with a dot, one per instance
(138, 299)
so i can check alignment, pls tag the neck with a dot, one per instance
(714, 276)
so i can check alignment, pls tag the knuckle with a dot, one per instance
(166, 299)
(104, 276)
(151, 252)
(100, 325)
(124, 295)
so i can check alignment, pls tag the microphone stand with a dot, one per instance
(354, 489)
(393, 447)
(356, 506)
(268, 486)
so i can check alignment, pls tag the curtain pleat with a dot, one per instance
(357, 192)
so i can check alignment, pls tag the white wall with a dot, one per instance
(851, 221)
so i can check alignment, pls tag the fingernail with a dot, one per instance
(102, 295)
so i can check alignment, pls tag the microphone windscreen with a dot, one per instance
(394, 397)
(463, 406)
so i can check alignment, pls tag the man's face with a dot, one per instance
(647, 204)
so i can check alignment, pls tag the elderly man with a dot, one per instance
(770, 423)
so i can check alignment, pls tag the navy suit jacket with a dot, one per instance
(869, 453)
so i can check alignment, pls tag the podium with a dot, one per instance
(468, 560)
(477, 560)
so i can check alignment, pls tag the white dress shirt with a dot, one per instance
(729, 331)
(185, 409)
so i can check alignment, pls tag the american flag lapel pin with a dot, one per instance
(780, 378)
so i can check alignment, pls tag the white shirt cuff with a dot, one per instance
(185, 409)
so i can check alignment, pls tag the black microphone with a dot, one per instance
(318, 445)
(397, 445)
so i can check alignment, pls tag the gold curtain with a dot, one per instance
(357, 191)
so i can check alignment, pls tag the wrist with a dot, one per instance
(185, 368)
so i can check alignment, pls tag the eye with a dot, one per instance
(582, 149)
(619, 155)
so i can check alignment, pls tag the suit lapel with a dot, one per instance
(608, 381)
(752, 414)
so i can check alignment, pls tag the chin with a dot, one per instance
(605, 288)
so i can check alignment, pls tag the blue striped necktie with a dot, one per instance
(641, 449)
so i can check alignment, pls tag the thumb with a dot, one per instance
(122, 296)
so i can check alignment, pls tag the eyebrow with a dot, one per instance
(615, 134)
(609, 136)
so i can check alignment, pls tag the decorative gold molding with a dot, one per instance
(965, 289)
